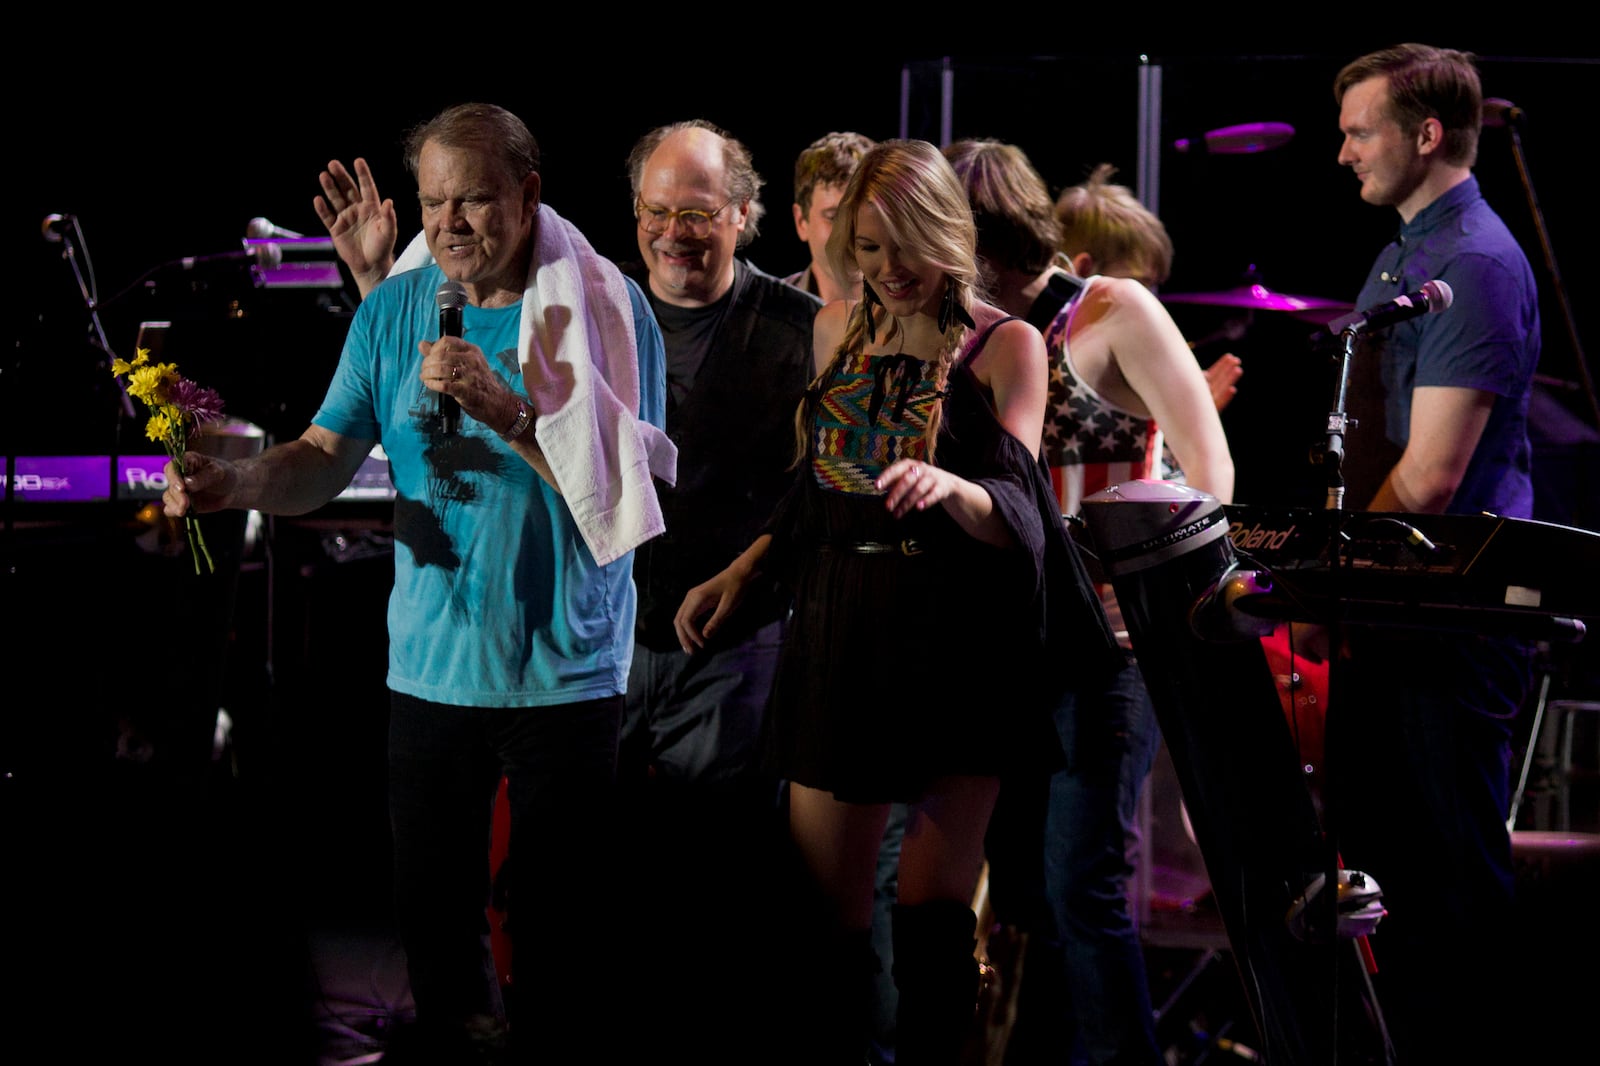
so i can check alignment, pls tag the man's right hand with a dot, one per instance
(209, 485)
(361, 223)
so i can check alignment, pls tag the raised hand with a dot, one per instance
(361, 223)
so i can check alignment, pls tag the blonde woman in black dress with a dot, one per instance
(914, 541)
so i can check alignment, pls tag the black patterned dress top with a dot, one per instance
(904, 631)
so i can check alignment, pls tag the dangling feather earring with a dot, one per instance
(950, 308)
(868, 297)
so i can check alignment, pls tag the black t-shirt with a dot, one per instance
(687, 333)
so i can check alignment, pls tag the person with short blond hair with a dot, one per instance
(1120, 236)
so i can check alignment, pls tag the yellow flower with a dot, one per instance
(147, 383)
(177, 407)
(120, 367)
(143, 382)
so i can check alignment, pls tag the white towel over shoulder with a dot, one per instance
(580, 366)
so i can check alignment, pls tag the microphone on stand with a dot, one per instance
(293, 249)
(1246, 139)
(1498, 112)
(261, 256)
(1433, 297)
(261, 229)
(451, 298)
(55, 227)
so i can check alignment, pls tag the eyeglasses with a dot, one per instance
(696, 223)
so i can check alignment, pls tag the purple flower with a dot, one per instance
(198, 402)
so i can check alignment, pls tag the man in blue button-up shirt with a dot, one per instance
(1420, 722)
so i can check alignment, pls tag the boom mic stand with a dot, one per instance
(1497, 112)
(65, 230)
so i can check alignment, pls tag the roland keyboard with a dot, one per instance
(1467, 572)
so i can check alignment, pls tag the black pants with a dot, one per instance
(445, 765)
(1419, 754)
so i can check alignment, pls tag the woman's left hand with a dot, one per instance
(911, 484)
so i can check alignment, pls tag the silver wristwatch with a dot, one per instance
(523, 420)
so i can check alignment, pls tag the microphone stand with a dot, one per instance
(1331, 456)
(1513, 120)
(70, 243)
(1331, 453)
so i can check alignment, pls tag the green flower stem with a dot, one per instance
(197, 544)
(191, 525)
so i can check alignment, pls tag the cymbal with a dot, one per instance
(1258, 298)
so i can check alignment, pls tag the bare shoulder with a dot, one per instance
(828, 330)
(1007, 334)
(1109, 293)
(1014, 350)
(1124, 315)
(1016, 332)
(832, 320)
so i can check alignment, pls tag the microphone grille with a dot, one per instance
(52, 227)
(1438, 294)
(268, 256)
(451, 295)
(1498, 112)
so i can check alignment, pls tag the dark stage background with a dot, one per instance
(195, 883)
(164, 165)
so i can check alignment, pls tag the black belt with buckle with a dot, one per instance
(909, 546)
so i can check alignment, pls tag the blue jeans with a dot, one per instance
(1085, 994)
(885, 891)
(445, 765)
(1110, 739)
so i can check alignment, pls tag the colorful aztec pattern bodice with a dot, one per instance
(875, 412)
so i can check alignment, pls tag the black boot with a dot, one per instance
(824, 1016)
(936, 971)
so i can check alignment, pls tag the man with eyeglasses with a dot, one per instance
(738, 344)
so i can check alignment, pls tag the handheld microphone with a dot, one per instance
(260, 229)
(451, 298)
(1246, 139)
(55, 227)
(1433, 297)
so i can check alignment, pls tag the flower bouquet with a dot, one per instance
(178, 410)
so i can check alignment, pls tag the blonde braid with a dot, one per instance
(954, 337)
